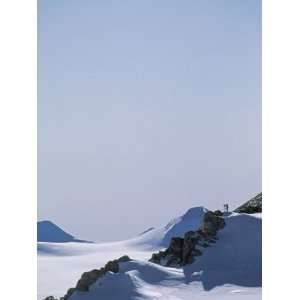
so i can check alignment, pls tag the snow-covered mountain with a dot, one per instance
(161, 237)
(49, 232)
(229, 269)
(234, 262)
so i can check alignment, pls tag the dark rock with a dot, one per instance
(88, 278)
(218, 213)
(82, 285)
(112, 266)
(252, 206)
(124, 258)
(191, 239)
(176, 246)
(69, 293)
(155, 258)
(174, 252)
(212, 223)
(182, 251)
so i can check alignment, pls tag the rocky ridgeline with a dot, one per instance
(182, 251)
(88, 278)
(252, 206)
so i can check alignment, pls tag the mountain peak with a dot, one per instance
(47, 231)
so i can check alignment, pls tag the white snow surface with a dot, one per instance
(229, 269)
(161, 237)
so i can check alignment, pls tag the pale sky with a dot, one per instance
(145, 109)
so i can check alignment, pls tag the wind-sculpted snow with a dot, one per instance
(61, 264)
(135, 280)
(183, 250)
(235, 260)
(161, 237)
(230, 269)
(191, 220)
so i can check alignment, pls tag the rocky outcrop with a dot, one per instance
(182, 251)
(218, 213)
(88, 278)
(212, 223)
(252, 206)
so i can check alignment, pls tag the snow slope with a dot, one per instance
(161, 237)
(147, 281)
(230, 269)
(49, 232)
(61, 264)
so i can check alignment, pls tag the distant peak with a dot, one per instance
(47, 231)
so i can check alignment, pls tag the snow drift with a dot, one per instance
(235, 261)
(161, 237)
(230, 269)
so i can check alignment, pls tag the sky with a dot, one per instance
(145, 109)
